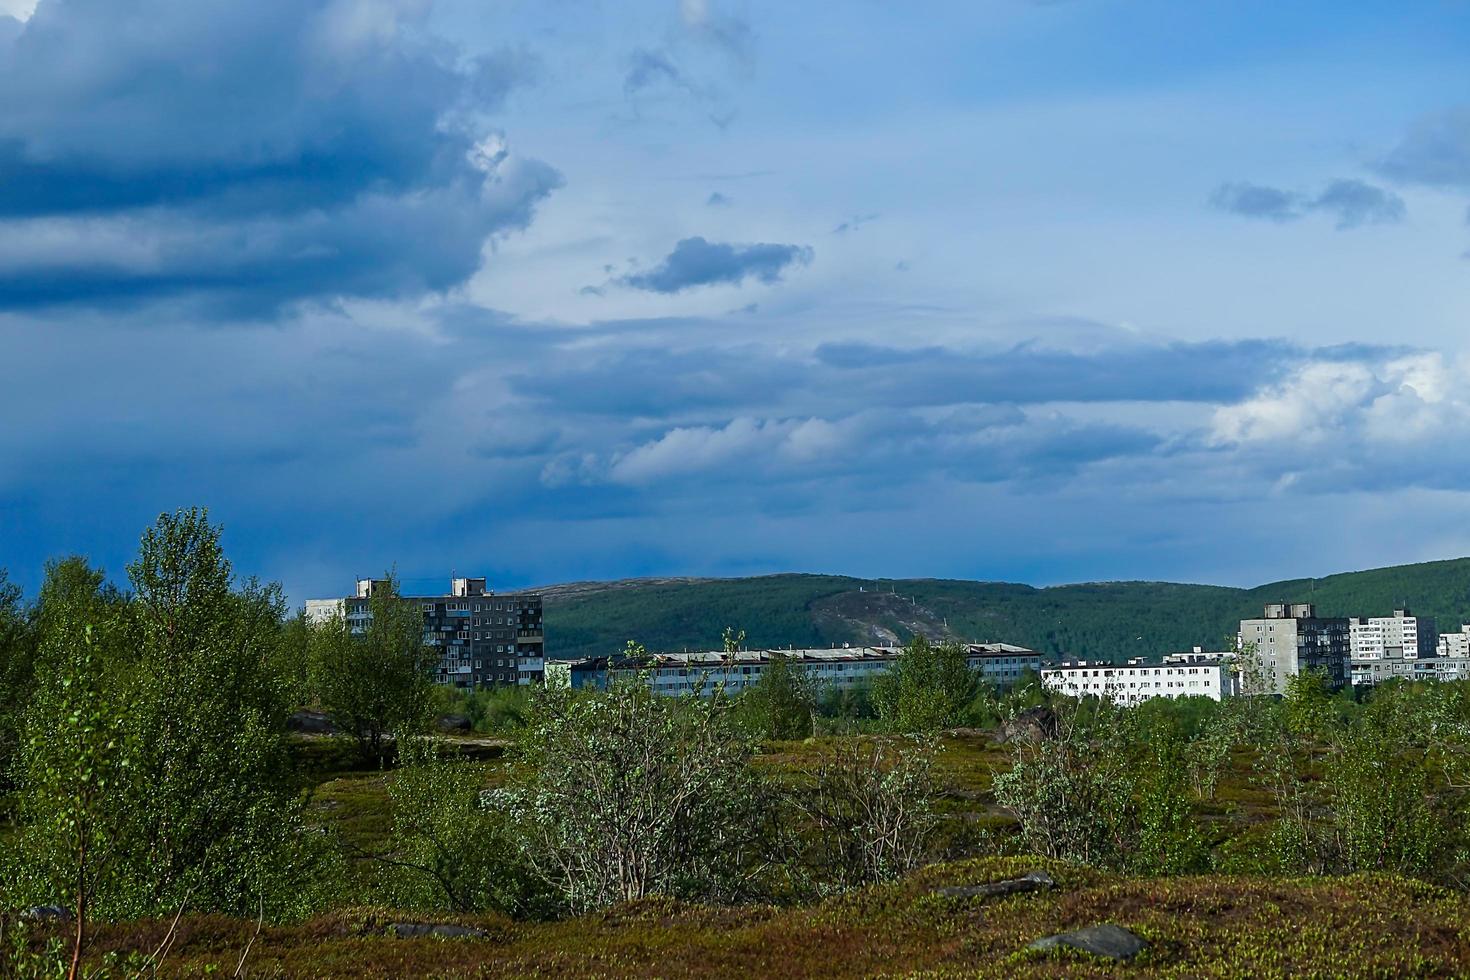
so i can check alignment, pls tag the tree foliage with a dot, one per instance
(928, 687)
(176, 734)
(448, 848)
(782, 704)
(376, 680)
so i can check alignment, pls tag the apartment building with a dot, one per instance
(1137, 681)
(483, 639)
(1389, 646)
(1455, 645)
(703, 672)
(1289, 639)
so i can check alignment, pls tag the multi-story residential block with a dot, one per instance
(1137, 681)
(1289, 639)
(1388, 646)
(483, 638)
(1002, 664)
(1455, 645)
(1389, 637)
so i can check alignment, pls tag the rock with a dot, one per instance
(1031, 881)
(1108, 940)
(308, 722)
(46, 913)
(454, 723)
(1031, 725)
(410, 930)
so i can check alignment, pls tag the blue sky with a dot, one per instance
(1038, 291)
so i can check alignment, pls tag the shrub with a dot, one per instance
(869, 807)
(447, 848)
(1070, 789)
(627, 794)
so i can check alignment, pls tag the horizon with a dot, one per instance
(1019, 291)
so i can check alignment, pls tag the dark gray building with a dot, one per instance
(483, 639)
(1289, 639)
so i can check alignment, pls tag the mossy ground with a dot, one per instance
(1217, 926)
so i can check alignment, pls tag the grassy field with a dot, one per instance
(1223, 925)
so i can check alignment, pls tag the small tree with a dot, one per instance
(378, 681)
(927, 688)
(75, 769)
(780, 705)
(17, 671)
(627, 794)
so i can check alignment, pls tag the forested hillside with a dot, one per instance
(1104, 620)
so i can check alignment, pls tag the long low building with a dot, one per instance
(703, 672)
(1133, 683)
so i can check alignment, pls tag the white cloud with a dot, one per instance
(19, 9)
(701, 448)
(1411, 399)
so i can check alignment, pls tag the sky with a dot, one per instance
(568, 289)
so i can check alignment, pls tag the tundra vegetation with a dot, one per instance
(161, 817)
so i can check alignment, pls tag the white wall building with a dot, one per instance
(1400, 636)
(1137, 682)
(1455, 644)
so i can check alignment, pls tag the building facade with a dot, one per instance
(483, 639)
(1456, 645)
(1289, 639)
(1136, 682)
(1383, 647)
(702, 673)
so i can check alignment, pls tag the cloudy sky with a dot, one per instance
(563, 289)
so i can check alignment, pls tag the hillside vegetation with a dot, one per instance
(1097, 620)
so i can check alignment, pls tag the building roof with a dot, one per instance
(804, 655)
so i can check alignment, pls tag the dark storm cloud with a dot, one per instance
(250, 154)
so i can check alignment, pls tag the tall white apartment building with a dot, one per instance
(1390, 646)
(1401, 635)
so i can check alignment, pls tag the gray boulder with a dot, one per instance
(454, 723)
(1032, 725)
(1031, 881)
(410, 930)
(1107, 940)
(46, 913)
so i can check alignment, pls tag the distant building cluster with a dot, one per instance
(488, 639)
(483, 639)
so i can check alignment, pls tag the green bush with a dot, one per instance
(927, 688)
(625, 794)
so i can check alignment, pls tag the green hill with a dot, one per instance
(1095, 620)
